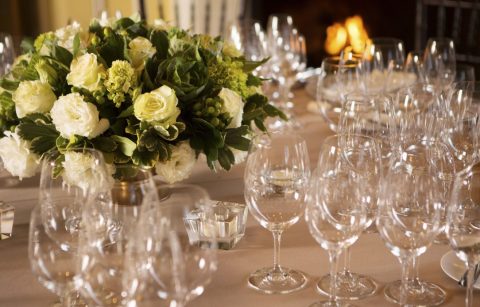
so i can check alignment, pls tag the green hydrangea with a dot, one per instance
(120, 81)
(230, 74)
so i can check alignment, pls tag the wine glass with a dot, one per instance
(362, 155)
(414, 68)
(67, 182)
(439, 63)
(111, 220)
(382, 65)
(7, 53)
(339, 203)
(174, 256)
(276, 183)
(249, 38)
(411, 206)
(463, 224)
(337, 79)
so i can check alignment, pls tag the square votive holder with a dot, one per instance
(228, 225)
(7, 213)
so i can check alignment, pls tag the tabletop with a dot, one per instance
(19, 288)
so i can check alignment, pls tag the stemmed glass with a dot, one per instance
(362, 154)
(439, 63)
(174, 255)
(412, 202)
(276, 183)
(249, 37)
(463, 224)
(339, 202)
(337, 79)
(7, 53)
(382, 65)
(110, 221)
(465, 73)
(414, 68)
(67, 182)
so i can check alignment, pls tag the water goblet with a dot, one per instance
(276, 182)
(408, 220)
(439, 63)
(174, 256)
(463, 224)
(337, 210)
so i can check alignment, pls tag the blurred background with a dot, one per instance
(409, 20)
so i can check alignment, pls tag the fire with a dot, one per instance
(352, 33)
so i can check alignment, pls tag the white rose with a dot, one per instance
(233, 105)
(17, 157)
(159, 106)
(71, 115)
(33, 97)
(66, 35)
(140, 50)
(180, 165)
(78, 171)
(85, 72)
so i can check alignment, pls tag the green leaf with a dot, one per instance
(62, 55)
(76, 45)
(238, 142)
(31, 130)
(127, 112)
(9, 85)
(104, 144)
(250, 66)
(145, 158)
(160, 41)
(27, 45)
(253, 80)
(126, 146)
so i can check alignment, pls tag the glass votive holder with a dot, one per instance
(7, 213)
(228, 226)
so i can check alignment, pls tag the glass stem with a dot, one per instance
(333, 256)
(406, 263)
(346, 261)
(277, 237)
(470, 281)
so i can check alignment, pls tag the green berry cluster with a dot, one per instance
(210, 110)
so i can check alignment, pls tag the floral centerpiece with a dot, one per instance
(153, 96)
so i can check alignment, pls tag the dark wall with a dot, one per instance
(393, 18)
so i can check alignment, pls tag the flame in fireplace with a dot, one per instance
(351, 33)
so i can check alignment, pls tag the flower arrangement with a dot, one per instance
(153, 96)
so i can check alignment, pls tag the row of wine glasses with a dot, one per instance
(98, 242)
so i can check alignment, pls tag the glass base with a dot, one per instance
(286, 281)
(350, 286)
(420, 294)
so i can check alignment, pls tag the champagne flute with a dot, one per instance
(337, 210)
(276, 183)
(111, 220)
(463, 224)
(67, 182)
(174, 256)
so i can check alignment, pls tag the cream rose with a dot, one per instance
(78, 171)
(71, 115)
(180, 165)
(17, 157)
(158, 106)
(85, 72)
(67, 34)
(33, 97)
(140, 49)
(233, 105)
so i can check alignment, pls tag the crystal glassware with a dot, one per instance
(276, 182)
(340, 201)
(362, 155)
(174, 255)
(408, 220)
(439, 63)
(67, 182)
(7, 53)
(337, 79)
(7, 214)
(463, 224)
(110, 221)
(465, 72)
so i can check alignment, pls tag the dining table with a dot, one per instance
(369, 255)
